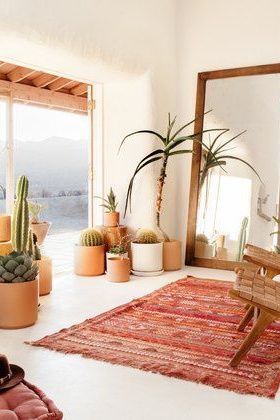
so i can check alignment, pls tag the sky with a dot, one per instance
(33, 123)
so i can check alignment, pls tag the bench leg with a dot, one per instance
(246, 319)
(262, 322)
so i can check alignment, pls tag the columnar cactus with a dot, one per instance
(33, 248)
(20, 219)
(91, 237)
(146, 236)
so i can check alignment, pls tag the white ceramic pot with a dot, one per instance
(147, 258)
(111, 255)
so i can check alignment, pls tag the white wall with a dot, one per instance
(128, 45)
(219, 34)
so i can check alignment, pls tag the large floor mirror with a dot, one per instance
(234, 196)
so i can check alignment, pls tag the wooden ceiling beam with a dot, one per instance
(59, 83)
(79, 90)
(19, 73)
(45, 97)
(44, 80)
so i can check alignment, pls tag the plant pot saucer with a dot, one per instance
(146, 273)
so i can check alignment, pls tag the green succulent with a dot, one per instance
(17, 267)
(109, 203)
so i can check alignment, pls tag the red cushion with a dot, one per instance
(26, 402)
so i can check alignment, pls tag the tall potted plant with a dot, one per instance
(169, 147)
(89, 255)
(111, 215)
(18, 276)
(39, 227)
(147, 254)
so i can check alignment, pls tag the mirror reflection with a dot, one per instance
(239, 176)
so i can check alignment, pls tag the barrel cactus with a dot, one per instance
(17, 267)
(200, 237)
(91, 237)
(20, 219)
(146, 236)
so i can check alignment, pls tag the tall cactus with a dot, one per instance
(242, 239)
(20, 218)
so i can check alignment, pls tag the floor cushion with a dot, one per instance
(27, 402)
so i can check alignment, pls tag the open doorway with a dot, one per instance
(45, 134)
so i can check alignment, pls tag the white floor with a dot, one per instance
(86, 389)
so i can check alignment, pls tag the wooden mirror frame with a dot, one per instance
(196, 158)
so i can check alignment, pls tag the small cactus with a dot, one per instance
(33, 247)
(91, 237)
(202, 238)
(146, 236)
(20, 219)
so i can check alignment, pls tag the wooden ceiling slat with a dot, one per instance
(44, 80)
(79, 89)
(19, 73)
(59, 83)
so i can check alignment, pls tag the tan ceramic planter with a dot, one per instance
(5, 248)
(18, 304)
(5, 228)
(89, 260)
(45, 275)
(111, 219)
(40, 230)
(172, 255)
(118, 269)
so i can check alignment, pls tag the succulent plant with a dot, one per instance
(35, 209)
(109, 203)
(20, 218)
(17, 268)
(33, 247)
(146, 236)
(202, 238)
(91, 237)
(117, 249)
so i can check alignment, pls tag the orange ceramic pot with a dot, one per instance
(89, 260)
(5, 248)
(172, 255)
(112, 235)
(40, 230)
(5, 228)
(45, 275)
(19, 304)
(118, 269)
(111, 219)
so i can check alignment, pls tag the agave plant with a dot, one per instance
(215, 154)
(170, 142)
(109, 203)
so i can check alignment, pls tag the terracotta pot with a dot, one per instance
(118, 269)
(203, 250)
(5, 228)
(89, 260)
(45, 275)
(19, 304)
(5, 248)
(147, 258)
(111, 255)
(40, 230)
(172, 255)
(111, 219)
(113, 234)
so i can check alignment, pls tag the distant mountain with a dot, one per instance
(54, 164)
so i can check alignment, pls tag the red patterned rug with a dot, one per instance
(186, 329)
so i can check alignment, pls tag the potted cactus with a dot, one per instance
(147, 254)
(119, 247)
(39, 227)
(111, 216)
(18, 276)
(44, 264)
(89, 256)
